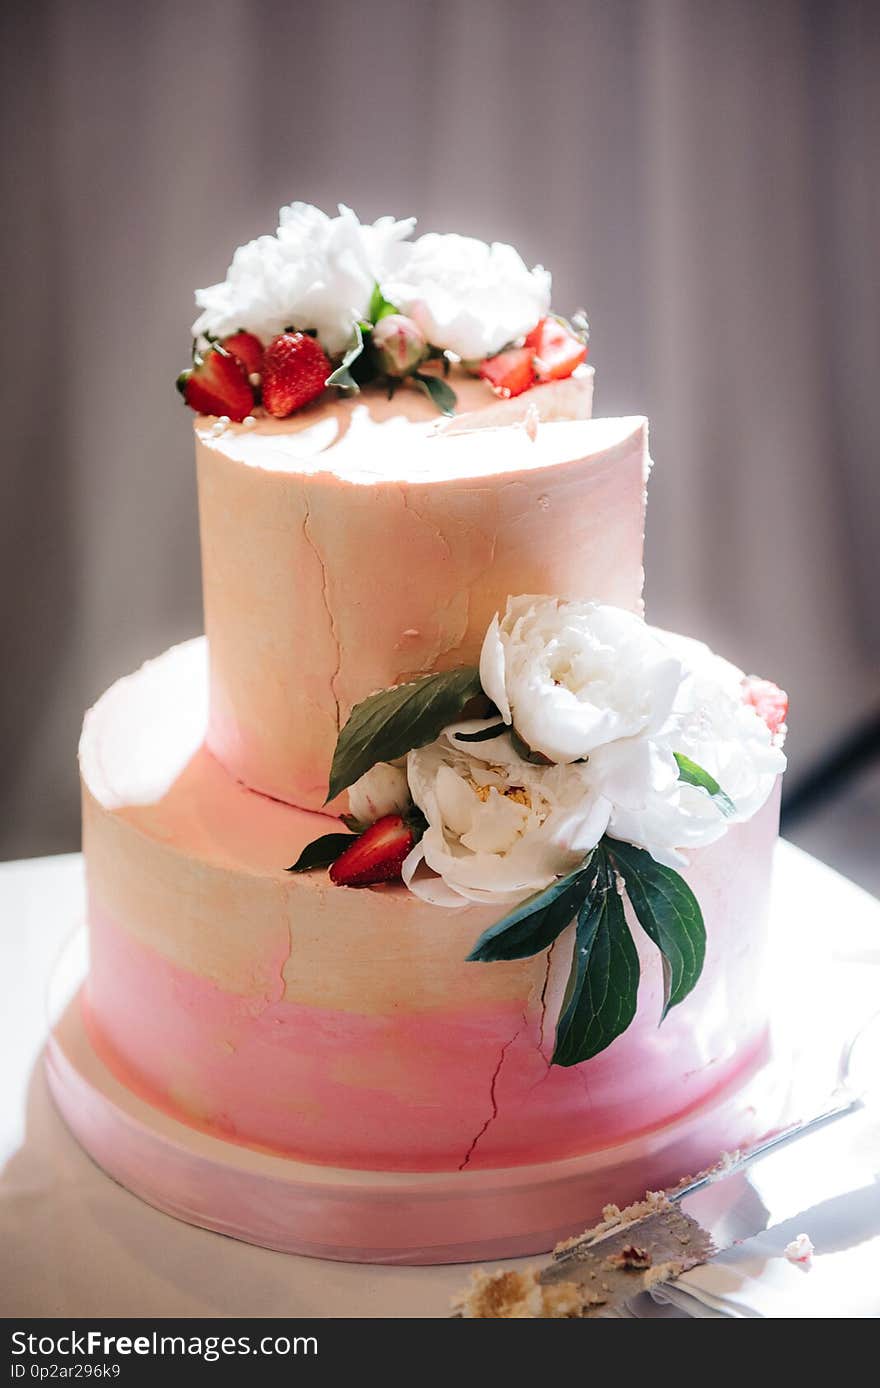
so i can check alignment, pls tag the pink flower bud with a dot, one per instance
(399, 344)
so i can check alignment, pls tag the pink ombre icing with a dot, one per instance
(343, 1026)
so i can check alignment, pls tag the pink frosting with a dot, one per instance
(463, 1087)
(345, 1026)
(384, 1217)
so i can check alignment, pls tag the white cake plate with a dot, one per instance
(415, 1218)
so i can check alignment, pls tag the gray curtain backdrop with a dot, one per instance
(701, 176)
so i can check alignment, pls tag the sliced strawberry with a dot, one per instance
(557, 350)
(510, 373)
(246, 348)
(216, 384)
(377, 855)
(768, 699)
(295, 371)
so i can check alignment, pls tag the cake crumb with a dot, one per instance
(513, 1295)
(661, 1272)
(655, 1202)
(631, 1258)
(725, 1164)
(800, 1250)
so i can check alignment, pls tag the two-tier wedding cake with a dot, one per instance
(428, 892)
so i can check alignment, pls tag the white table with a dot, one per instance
(72, 1243)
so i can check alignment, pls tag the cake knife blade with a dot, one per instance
(745, 1194)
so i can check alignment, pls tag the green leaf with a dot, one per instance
(391, 723)
(602, 992)
(669, 914)
(380, 307)
(484, 735)
(443, 395)
(320, 853)
(694, 775)
(342, 377)
(533, 925)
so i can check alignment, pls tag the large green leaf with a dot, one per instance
(669, 914)
(391, 723)
(443, 395)
(322, 852)
(534, 924)
(600, 1000)
(694, 775)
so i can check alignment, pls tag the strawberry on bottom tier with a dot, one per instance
(345, 1026)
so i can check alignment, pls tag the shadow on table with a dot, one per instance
(74, 1243)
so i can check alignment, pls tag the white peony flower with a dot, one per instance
(572, 676)
(316, 272)
(468, 297)
(381, 790)
(499, 828)
(712, 726)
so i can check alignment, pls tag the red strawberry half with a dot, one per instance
(556, 349)
(510, 373)
(768, 699)
(247, 349)
(295, 370)
(216, 384)
(377, 855)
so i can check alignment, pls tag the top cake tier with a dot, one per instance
(359, 544)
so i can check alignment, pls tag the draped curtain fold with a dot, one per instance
(702, 177)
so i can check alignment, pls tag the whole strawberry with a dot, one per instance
(295, 369)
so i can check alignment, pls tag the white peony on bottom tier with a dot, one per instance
(319, 1070)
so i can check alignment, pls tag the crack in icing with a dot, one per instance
(542, 1001)
(325, 597)
(423, 520)
(287, 929)
(446, 616)
(492, 1097)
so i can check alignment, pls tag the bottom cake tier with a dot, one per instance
(344, 1027)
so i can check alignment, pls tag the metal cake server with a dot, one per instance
(746, 1193)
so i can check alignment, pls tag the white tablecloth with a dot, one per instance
(72, 1243)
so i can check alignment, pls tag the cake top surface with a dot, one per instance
(331, 304)
(142, 757)
(360, 448)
